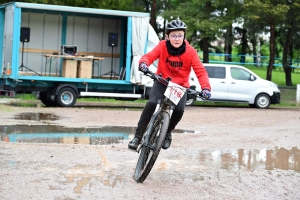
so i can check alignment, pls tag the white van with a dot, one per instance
(233, 83)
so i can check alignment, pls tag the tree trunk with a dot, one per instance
(272, 49)
(205, 45)
(228, 44)
(291, 54)
(153, 16)
(244, 46)
(286, 52)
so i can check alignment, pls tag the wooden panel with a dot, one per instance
(69, 68)
(84, 69)
(81, 53)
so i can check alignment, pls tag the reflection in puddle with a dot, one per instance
(59, 134)
(37, 116)
(254, 159)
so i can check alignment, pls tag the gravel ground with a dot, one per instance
(228, 153)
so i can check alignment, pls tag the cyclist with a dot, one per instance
(176, 58)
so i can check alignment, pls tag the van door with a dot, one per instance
(241, 87)
(218, 82)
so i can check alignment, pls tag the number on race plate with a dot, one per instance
(174, 92)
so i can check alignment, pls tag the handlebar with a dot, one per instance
(157, 77)
(166, 82)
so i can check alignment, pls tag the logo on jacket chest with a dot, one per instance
(174, 63)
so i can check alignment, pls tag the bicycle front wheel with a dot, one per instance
(149, 153)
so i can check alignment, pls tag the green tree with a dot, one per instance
(201, 17)
(208, 20)
(229, 13)
(154, 7)
(270, 14)
(244, 42)
(292, 20)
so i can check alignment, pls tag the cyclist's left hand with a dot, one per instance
(206, 94)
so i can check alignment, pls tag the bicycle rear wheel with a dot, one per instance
(150, 152)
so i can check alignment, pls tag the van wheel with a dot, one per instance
(190, 102)
(262, 101)
(66, 97)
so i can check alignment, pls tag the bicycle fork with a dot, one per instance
(145, 141)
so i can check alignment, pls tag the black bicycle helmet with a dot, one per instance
(175, 25)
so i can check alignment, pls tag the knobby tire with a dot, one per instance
(150, 153)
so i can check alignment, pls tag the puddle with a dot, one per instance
(59, 134)
(228, 159)
(269, 159)
(37, 116)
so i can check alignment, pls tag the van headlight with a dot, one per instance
(273, 85)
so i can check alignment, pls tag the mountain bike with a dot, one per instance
(156, 130)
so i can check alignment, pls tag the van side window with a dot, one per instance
(239, 74)
(216, 72)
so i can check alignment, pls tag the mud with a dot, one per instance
(228, 153)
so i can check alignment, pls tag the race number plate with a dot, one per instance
(174, 92)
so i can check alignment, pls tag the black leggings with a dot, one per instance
(157, 92)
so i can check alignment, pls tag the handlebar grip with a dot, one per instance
(195, 93)
(149, 72)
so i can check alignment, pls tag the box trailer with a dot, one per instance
(62, 53)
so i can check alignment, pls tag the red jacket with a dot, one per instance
(177, 67)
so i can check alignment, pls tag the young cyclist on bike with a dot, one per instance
(176, 58)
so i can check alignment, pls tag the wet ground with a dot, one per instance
(285, 159)
(79, 153)
(251, 159)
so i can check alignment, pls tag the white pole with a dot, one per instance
(258, 52)
(298, 94)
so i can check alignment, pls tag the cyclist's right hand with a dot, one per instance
(206, 94)
(143, 67)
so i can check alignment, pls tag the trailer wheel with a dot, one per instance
(47, 102)
(66, 97)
